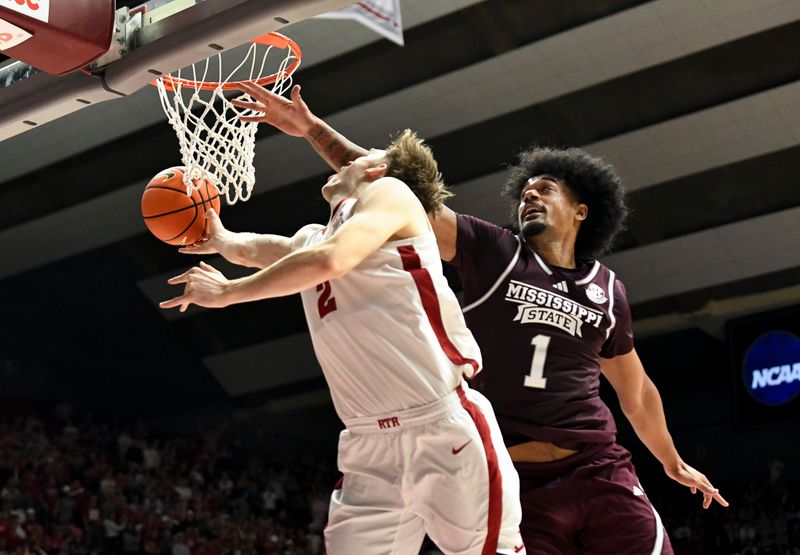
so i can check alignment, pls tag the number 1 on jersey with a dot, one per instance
(535, 377)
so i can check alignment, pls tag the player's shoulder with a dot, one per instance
(480, 227)
(390, 197)
(607, 275)
(387, 190)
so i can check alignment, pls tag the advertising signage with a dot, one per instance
(765, 364)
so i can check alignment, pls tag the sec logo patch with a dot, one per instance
(596, 294)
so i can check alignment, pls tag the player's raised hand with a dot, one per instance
(290, 116)
(216, 239)
(204, 286)
(695, 481)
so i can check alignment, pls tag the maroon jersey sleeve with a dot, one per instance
(482, 252)
(620, 340)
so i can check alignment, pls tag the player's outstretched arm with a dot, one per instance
(294, 118)
(252, 250)
(641, 403)
(387, 209)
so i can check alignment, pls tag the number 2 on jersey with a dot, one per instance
(535, 377)
(326, 302)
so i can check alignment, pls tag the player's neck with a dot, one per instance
(554, 252)
(343, 193)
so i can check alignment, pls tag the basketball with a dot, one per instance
(173, 216)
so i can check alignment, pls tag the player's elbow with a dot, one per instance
(333, 264)
(631, 407)
(639, 400)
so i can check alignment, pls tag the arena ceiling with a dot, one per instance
(695, 103)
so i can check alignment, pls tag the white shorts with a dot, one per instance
(440, 469)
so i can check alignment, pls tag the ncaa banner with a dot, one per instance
(382, 16)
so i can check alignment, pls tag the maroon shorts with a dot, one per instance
(589, 503)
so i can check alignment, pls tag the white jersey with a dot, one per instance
(389, 334)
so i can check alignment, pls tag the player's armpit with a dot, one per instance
(302, 235)
(445, 226)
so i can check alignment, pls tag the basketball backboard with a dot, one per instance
(149, 40)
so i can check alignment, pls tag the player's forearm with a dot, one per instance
(336, 149)
(291, 274)
(650, 424)
(255, 250)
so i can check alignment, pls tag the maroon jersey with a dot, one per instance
(542, 331)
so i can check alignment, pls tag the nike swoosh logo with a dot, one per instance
(457, 451)
(519, 548)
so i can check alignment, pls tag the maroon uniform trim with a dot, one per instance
(430, 302)
(495, 478)
(591, 274)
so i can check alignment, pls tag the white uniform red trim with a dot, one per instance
(389, 335)
(422, 453)
(439, 469)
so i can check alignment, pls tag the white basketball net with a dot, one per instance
(215, 144)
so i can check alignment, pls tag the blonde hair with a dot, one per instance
(411, 161)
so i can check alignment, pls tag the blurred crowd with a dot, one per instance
(763, 519)
(96, 488)
(93, 487)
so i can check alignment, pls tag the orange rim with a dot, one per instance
(270, 39)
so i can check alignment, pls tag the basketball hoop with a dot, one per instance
(215, 144)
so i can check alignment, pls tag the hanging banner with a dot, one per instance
(382, 16)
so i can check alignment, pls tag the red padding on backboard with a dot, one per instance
(75, 32)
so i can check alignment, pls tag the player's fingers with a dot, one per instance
(197, 248)
(183, 278)
(707, 499)
(721, 500)
(706, 487)
(171, 303)
(209, 268)
(704, 484)
(247, 89)
(258, 92)
(214, 223)
(250, 87)
(693, 489)
(250, 119)
(295, 95)
(247, 105)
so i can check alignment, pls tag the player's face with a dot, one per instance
(352, 174)
(547, 203)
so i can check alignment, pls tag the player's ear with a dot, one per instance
(581, 212)
(376, 172)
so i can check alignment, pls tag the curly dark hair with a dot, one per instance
(594, 183)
